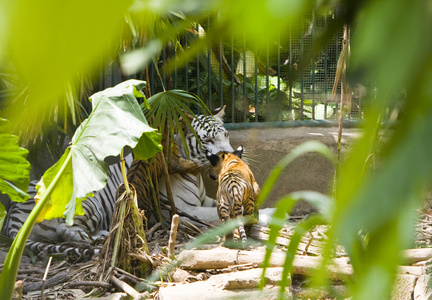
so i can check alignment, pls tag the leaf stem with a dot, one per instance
(123, 169)
(13, 258)
(122, 210)
(159, 75)
(155, 198)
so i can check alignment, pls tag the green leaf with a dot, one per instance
(2, 214)
(116, 121)
(63, 189)
(14, 167)
(148, 146)
(300, 230)
(67, 38)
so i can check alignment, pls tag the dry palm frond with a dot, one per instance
(126, 246)
(346, 92)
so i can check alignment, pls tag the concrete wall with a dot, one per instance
(265, 147)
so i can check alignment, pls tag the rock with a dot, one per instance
(248, 279)
(204, 290)
(404, 287)
(180, 275)
(241, 284)
(423, 289)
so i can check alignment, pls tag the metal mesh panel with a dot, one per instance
(261, 85)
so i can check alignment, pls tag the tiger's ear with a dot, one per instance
(219, 113)
(214, 159)
(239, 151)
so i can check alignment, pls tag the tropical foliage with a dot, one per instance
(46, 50)
(115, 122)
(13, 181)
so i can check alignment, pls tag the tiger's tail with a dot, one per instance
(79, 252)
(243, 236)
(237, 198)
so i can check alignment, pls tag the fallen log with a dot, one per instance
(128, 289)
(75, 284)
(56, 279)
(412, 256)
(220, 257)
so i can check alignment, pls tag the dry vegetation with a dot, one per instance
(230, 272)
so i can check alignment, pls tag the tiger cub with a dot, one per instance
(237, 191)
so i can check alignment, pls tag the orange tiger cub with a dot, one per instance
(237, 191)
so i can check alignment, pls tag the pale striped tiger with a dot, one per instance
(237, 190)
(188, 193)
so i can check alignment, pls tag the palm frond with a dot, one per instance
(170, 113)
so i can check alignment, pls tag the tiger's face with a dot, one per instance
(217, 161)
(213, 136)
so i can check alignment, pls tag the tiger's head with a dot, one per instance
(218, 160)
(213, 136)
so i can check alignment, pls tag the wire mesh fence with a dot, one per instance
(258, 85)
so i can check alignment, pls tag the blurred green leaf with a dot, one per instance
(283, 207)
(136, 60)
(400, 36)
(300, 230)
(14, 167)
(50, 42)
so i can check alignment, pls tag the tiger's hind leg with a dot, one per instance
(239, 213)
(223, 210)
(254, 198)
(250, 211)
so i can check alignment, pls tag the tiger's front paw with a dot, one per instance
(72, 233)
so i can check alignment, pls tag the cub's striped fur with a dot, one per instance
(237, 191)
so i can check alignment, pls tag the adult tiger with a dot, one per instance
(188, 192)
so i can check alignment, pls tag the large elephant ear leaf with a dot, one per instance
(115, 122)
(14, 167)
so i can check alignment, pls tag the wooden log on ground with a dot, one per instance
(101, 284)
(412, 256)
(56, 279)
(219, 258)
(128, 289)
(412, 270)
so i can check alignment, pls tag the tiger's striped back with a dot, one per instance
(237, 191)
(95, 222)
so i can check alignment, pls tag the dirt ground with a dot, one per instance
(68, 279)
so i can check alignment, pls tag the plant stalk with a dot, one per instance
(173, 209)
(121, 212)
(124, 174)
(13, 258)
(345, 89)
(156, 202)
